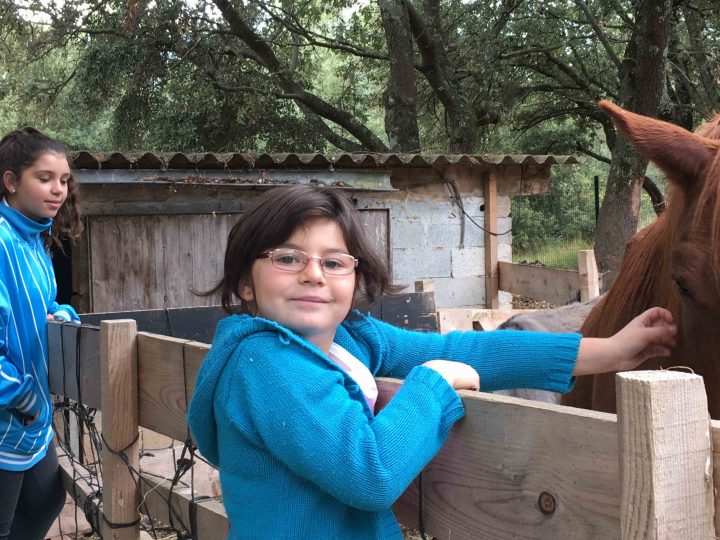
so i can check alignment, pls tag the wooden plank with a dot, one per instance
(163, 389)
(179, 254)
(119, 378)
(375, 224)
(160, 271)
(715, 437)
(414, 311)
(499, 460)
(589, 278)
(665, 456)
(465, 319)
(549, 284)
(211, 519)
(491, 240)
(74, 354)
(192, 323)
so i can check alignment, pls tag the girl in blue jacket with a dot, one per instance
(284, 401)
(38, 206)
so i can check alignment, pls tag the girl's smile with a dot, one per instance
(310, 301)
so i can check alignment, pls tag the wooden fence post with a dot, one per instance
(491, 240)
(589, 279)
(666, 460)
(118, 375)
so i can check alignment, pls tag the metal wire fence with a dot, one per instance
(549, 230)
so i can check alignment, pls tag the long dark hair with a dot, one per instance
(274, 217)
(19, 149)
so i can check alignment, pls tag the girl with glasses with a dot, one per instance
(284, 401)
(38, 206)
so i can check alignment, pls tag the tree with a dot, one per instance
(395, 75)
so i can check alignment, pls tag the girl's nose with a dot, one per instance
(57, 186)
(313, 271)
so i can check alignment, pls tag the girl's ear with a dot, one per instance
(247, 293)
(9, 181)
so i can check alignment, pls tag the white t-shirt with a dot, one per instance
(357, 370)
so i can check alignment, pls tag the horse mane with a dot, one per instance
(710, 194)
(643, 280)
(644, 277)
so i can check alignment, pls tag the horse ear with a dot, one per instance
(683, 156)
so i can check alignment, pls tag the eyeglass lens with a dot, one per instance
(293, 260)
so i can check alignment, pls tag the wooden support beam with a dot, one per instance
(666, 465)
(119, 398)
(589, 278)
(491, 241)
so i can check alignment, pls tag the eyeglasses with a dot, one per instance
(294, 260)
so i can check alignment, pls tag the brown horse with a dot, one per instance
(674, 263)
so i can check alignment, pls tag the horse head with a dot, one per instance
(674, 263)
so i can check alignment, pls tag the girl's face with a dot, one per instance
(42, 187)
(309, 302)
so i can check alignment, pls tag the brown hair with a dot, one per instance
(274, 217)
(19, 149)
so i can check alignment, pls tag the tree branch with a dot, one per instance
(600, 34)
(285, 81)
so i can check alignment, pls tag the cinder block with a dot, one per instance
(504, 229)
(505, 299)
(503, 206)
(460, 292)
(408, 232)
(504, 253)
(468, 262)
(409, 265)
(443, 233)
(474, 235)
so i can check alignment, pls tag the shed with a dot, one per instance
(157, 224)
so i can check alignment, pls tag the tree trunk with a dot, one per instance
(642, 90)
(401, 93)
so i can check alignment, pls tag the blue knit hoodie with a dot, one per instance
(300, 453)
(27, 295)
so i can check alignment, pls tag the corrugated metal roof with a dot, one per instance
(233, 161)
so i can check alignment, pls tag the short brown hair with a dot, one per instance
(275, 216)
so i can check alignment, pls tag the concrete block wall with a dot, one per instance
(425, 231)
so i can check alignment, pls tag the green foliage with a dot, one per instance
(566, 214)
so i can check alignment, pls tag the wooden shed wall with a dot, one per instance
(153, 261)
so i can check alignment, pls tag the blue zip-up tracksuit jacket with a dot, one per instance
(27, 295)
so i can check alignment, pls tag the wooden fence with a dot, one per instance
(552, 284)
(510, 468)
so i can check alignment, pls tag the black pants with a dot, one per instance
(31, 500)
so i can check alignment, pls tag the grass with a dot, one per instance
(555, 254)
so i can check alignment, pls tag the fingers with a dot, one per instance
(655, 316)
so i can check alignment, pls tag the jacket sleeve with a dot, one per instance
(64, 312)
(502, 358)
(298, 408)
(15, 388)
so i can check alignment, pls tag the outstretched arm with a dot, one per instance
(650, 334)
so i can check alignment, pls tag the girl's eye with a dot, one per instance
(286, 259)
(332, 264)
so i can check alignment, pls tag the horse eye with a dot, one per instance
(682, 289)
